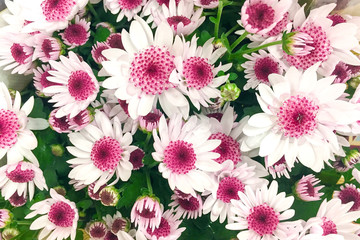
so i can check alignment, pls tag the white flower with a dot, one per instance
(125, 8)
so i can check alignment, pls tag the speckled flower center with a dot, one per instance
(228, 189)
(329, 227)
(336, 18)
(57, 10)
(9, 125)
(191, 204)
(297, 116)
(17, 201)
(46, 48)
(263, 219)
(150, 70)
(350, 194)
(106, 154)
(18, 53)
(197, 72)
(320, 53)
(129, 4)
(59, 124)
(279, 27)
(114, 41)
(229, 148)
(264, 67)
(80, 85)
(61, 214)
(175, 20)
(162, 231)
(75, 34)
(180, 157)
(136, 158)
(119, 224)
(261, 15)
(97, 230)
(20, 176)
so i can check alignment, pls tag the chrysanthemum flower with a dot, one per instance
(184, 153)
(60, 125)
(94, 194)
(150, 121)
(260, 214)
(109, 196)
(59, 217)
(4, 217)
(299, 119)
(207, 3)
(81, 120)
(125, 8)
(76, 34)
(278, 169)
(141, 74)
(17, 200)
(342, 73)
(78, 85)
(182, 17)
(16, 139)
(349, 193)
(146, 212)
(306, 190)
(46, 48)
(21, 177)
(186, 205)
(40, 79)
(96, 52)
(102, 150)
(117, 224)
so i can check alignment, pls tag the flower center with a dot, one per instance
(179, 157)
(310, 190)
(80, 85)
(119, 224)
(57, 10)
(264, 67)
(18, 53)
(228, 189)
(129, 4)
(329, 227)
(107, 198)
(61, 124)
(206, 2)
(217, 116)
(9, 125)
(92, 194)
(191, 204)
(106, 154)
(342, 73)
(81, 118)
(110, 236)
(197, 72)
(320, 53)
(146, 213)
(260, 15)
(229, 148)
(263, 219)
(16, 200)
(97, 230)
(166, 2)
(151, 68)
(175, 20)
(336, 18)
(136, 158)
(46, 47)
(44, 82)
(124, 106)
(297, 116)
(76, 34)
(114, 41)
(162, 231)
(61, 214)
(350, 194)
(279, 27)
(20, 176)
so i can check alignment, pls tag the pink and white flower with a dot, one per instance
(4, 217)
(46, 48)
(306, 190)
(349, 193)
(186, 205)
(278, 169)
(207, 3)
(96, 52)
(114, 41)
(125, 8)
(150, 121)
(40, 79)
(146, 212)
(76, 34)
(60, 125)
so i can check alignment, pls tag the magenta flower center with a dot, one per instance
(228, 189)
(119, 224)
(229, 148)
(263, 219)
(80, 85)
(16, 200)
(150, 70)
(18, 53)
(162, 231)
(114, 41)
(136, 158)
(46, 83)
(97, 53)
(179, 157)
(59, 124)
(217, 116)
(97, 230)
(191, 204)
(197, 72)
(342, 73)
(310, 190)
(57, 10)
(297, 116)
(106, 154)
(261, 15)
(46, 47)
(20, 176)
(9, 125)
(175, 20)
(329, 227)
(264, 67)
(92, 194)
(336, 18)
(61, 214)
(110, 236)
(350, 194)
(207, 2)
(129, 4)
(75, 34)
(166, 2)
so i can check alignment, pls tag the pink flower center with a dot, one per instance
(179, 157)
(166, 2)
(320, 53)
(114, 41)
(297, 116)
(44, 82)
(61, 214)
(146, 212)
(136, 158)
(9, 125)
(97, 52)
(119, 224)
(207, 2)
(16, 200)
(350, 194)
(261, 15)
(106, 154)
(309, 188)
(97, 230)
(264, 67)
(174, 21)
(80, 85)
(82, 118)
(228, 189)
(59, 124)
(129, 4)
(92, 194)
(217, 116)
(197, 72)
(342, 73)
(110, 236)
(57, 10)
(20, 176)
(46, 48)
(329, 227)
(150, 70)
(162, 231)
(229, 148)
(191, 204)
(336, 18)
(280, 26)
(263, 219)
(18, 53)
(76, 34)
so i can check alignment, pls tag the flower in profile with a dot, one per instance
(101, 151)
(342, 73)
(40, 79)
(109, 196)
(46, 48)
(96, 52)
(207, 3)
(5, 218)
(81, 120)
(349, 193)
(117, 224)
(21, 177)
(96, 230)
(297, 43)
(136, 158)
(306, 190)
(186, 205)
(95, 195)
(77, 87)
(76, 34)
(151, 121)
(9, 233)
(146, 212)
(17, 200)
(125, 8)
(59, 217)
(278, 169)
(60, 125)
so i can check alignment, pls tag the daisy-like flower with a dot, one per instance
(76, 34)
(60, 125)
(258, 69)
(207, 3)
(342, 73)
(40, 79)
(349, 193)
(146, 212)
(46, 48)
(81, 120)
(150, 121)
(141, 74)
(21, 177)
(4, 217)
(96, 52)
(117, 224)
(96, 230)
(278, 169)
(59, 217)
(306, 190)
(16, 139)
(109, 196)
(184, 153)
(102, 150)
(77, 87)
(185, 205)
(94, 194)
(261, 214)
(125, 8)
(299, 119)
(182, 17)
(332, 220)
(196, 71)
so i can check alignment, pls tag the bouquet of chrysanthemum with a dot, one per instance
(134, 126)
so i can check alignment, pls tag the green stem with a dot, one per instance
(217, 25)
(93, 12)
(238, 41)
(23, 222)
(148, 182)
(98, 212)
(240, 53)
(232, 30)
(148, 137)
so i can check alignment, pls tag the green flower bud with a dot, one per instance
(230, 92)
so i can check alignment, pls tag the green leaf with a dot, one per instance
(213, 20)
(51, 177)
(101, 34)
(233, 76)
(84, 204)
(357, 166)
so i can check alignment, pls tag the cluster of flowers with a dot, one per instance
(154, 76)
